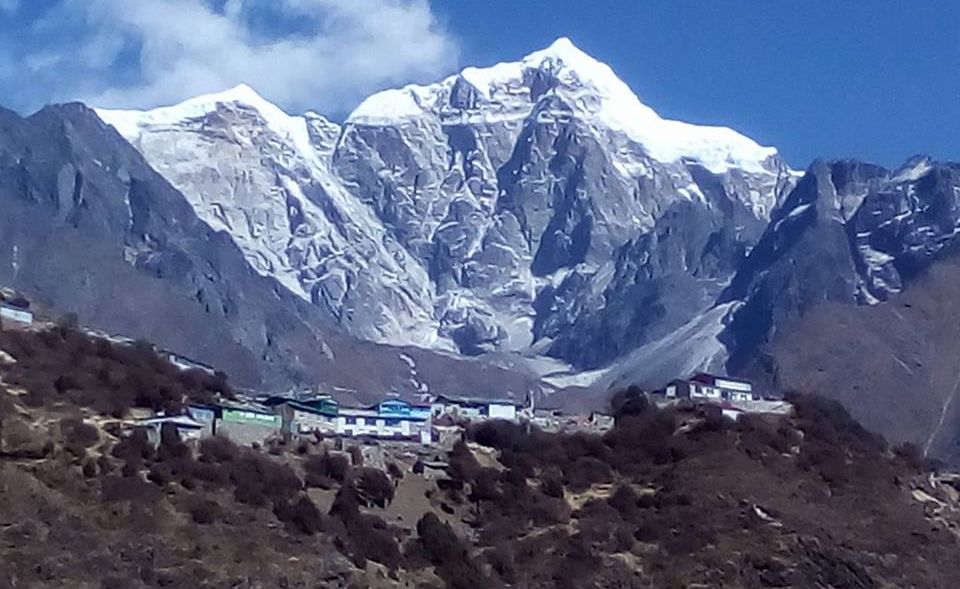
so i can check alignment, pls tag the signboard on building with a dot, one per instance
(251, 417)
(10, 313)
(402, 409)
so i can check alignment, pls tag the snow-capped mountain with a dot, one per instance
(537, 205)
(264, 178)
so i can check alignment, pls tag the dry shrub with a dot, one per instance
(373, 487)
(134, 449)
(134, 489)
(259, 481)
(449, 555)
(462, 464)
(393, 469)
(551, 483)
(324, 470)
(302, 515)
(64, 364)
(585, 472)
(78, 435)
(362, 536)
(89, 469)
(204, 511)
(218, 449)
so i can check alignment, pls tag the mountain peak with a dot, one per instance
(590, 87)
(130, 123)
(565, 49)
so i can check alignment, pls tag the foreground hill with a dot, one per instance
(678, 498)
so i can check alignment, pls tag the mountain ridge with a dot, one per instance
(446, 188)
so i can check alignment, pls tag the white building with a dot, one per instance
(392, 418)
(187, 427)
(476, 409)
(707, 387)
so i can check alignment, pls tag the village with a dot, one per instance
(438, 420)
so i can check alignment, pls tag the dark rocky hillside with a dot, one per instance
(681, 499)
(895, 365)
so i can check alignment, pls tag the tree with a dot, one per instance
(630, 401)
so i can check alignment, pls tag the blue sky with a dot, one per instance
(877, 79)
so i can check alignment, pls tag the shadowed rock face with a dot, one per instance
(847, 292)
(893, 364)
(88, 227)
(849, 233)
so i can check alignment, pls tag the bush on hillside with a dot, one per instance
(629, 401)
(64, 364)
(78, 435)
(324, 470)
(373, 487)
(204, 511)
(302, 515)
(449, 555)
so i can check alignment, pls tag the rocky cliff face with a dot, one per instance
(89, 227)
(847, 293)
(535, 206)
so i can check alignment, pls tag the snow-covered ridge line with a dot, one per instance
(595, 93)
(130, 123)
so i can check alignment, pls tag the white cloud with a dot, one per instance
(189, 48)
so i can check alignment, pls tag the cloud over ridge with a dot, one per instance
(303, 54)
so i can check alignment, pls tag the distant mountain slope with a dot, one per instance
(896, 365)
(89, 227)
(536, 205)
(850, 232)
(850, 292)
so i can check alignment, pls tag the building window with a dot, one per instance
(351, 420)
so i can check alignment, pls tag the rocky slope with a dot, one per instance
(893, 364)
(850, 232)
(525, 206)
